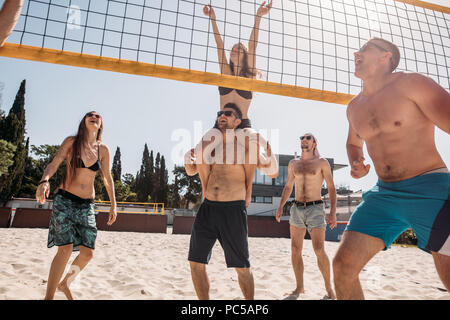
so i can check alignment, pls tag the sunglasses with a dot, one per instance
(227, 113)
(96, 115)
(364, 47)
(307, 137)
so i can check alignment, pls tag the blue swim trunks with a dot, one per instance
(421, 203)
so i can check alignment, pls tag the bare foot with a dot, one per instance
(65, 289)
(294, 294)
(330, 295)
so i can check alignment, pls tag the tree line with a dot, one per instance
(22, 166)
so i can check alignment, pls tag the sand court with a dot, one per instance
(135, 266)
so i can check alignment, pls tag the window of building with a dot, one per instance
(257, 199)
(261, 178)
(267, 199)
(282, 176)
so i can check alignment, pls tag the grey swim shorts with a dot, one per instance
(310, 217)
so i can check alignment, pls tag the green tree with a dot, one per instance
(173, 195)
(7, 150)
(144, 179)
(156, 180)
(35, 164)
(117, 166)
(163, 189)
(122, 190)
(99, 187)
(190, 187)
(30, 179)
(131, 197)
(12, 129)
(129, 180)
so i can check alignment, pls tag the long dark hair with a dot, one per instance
(79, 141)
(245, 70)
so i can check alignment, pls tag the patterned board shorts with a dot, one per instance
(72, 222)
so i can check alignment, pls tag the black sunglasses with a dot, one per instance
(227, 113)
(90, 114)
(307, 137)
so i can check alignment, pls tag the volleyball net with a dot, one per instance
(305, 47)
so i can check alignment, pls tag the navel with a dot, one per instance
(397, 123)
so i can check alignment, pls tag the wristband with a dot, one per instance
(41, 182)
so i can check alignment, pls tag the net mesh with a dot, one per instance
(301, 43)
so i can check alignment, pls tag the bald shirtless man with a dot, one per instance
(395, 114)
(222, 214)
(9, 15)
(308, 173)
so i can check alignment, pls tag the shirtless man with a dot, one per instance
(308, 173)
(247, 149)
(222, 214)
(9, 15)
(395, 114)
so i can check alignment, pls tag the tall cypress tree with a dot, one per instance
(173, 197)
(163, 180)
(149, 174)
(156, 180)
(144, 179)
(12, 129)
(117, 166)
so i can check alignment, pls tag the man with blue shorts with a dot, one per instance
(395, 114)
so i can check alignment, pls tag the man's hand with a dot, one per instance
(331, 220)
(112, 215)
(359, 169)
(189, 157)
(279, 214)
(247, 201)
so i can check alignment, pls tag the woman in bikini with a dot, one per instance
(242, 63)
(72, 223)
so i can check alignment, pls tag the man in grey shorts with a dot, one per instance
(307, 213)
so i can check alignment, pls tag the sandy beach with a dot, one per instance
(130, 265)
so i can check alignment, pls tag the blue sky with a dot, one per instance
(138, 110)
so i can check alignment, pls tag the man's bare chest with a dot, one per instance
(383, 114)
(307, 168)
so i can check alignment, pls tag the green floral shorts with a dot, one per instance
(72, 222)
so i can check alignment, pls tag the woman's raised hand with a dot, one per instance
(264, 9)
(209, 11)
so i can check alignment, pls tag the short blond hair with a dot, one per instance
(393, 49)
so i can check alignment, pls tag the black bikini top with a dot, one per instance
(243, 93)
(96, 166)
